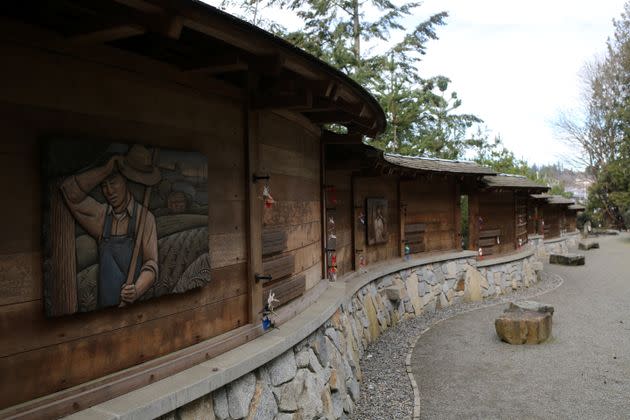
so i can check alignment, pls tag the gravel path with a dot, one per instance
(386, 391)
(582, 372)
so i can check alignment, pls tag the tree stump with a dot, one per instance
(525, 322)
(566, 259)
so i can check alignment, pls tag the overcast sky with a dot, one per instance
(514, 64)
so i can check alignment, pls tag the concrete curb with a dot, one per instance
(414, 384)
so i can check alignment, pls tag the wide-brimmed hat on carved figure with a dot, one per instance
(137, 166)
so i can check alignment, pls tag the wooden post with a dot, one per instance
(353, 221)
(254, 221)
(62, 284)
(515, 212)
(458, 218)
(473, 225)
(323, 212)
(401, 221)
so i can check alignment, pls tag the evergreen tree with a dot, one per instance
(421, 113)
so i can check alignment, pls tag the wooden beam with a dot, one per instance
(224, 63)
(108, 35)
(297, 102)
(141, 5)
(132, 19)
(349, 107)
(325, 88)
(254, 222)
(269, 65)
(330, 117)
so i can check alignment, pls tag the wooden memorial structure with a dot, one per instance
(421, 197)
(174, 77)
(554, 210)
(500, 212)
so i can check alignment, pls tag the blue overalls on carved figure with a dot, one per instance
(115, 253)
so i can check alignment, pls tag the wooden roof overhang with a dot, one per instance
(200, 47)
(519, 184)
(554, 199)
(370, 160)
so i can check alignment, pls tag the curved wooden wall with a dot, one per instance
(497, 209)
(432, 206)
(290, 155)
(69, 97)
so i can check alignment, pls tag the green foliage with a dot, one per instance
(610, 100)
(496, 156)
(421, 112)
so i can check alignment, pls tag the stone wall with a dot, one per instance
(560, 245)
(319, 377)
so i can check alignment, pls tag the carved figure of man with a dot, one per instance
(379, 225)
(115, 224)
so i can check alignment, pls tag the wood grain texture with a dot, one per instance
(83, 396)
(70, 86)
(279, 267)
(285, 290)
(227, 249)
(431, 208)
(291, 213)
(497, 210)
(274, 160)
(20, 278)
(274, 241)
(25, 327)
(277, 131)
(79, 361)
(61, 281)
(19, 178)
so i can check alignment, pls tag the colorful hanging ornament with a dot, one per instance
(362, 218)
(332, 270)
(480, 253)
(362, 262)
(267, 197)
(498, 240)
(407, 252)
(268, 311)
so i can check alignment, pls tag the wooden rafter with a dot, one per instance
(224, 63)
(298, 101)
(110, 34)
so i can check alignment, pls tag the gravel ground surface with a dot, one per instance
(463, 370)
(386, 391)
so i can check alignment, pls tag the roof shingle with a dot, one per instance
(437, 165)
(512, 181)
